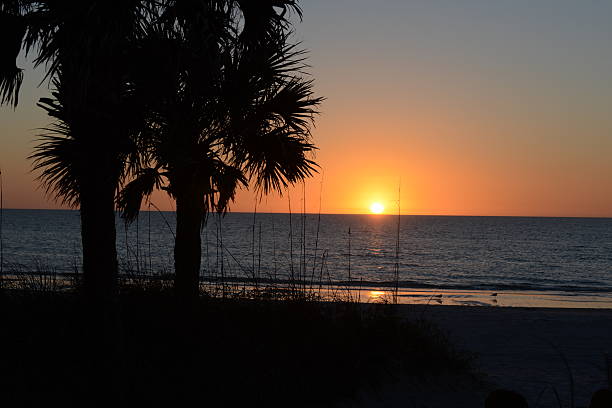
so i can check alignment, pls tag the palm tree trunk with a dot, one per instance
(97, 199)
(102, 325)
(187, 246)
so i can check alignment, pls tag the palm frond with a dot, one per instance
(277, 159)
(10, 83)
(292, 104)
(271, 138)
(130, 198)
(12, 31)
(59, 158)
(227, 179)
(286, 59)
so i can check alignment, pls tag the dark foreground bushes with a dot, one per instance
(148, 350)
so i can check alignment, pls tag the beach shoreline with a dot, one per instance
(486, 298)
(355, 292)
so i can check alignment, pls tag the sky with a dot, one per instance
(470, 107)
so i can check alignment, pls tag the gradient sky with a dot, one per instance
(473, 107)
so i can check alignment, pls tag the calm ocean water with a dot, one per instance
(566, 256)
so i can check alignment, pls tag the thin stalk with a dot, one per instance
(349, 254)
(149, 243)
(207, 254)
(259, 253)
(291, 247)
(303, 249)
(349, 262)
(242, 269)
(253, 242)
(397, 247)
(255, 278)
(331, 285)
(127, 247)
(314, 257)
(323, 256)
(222, 263)
(267, 270)
(138, 244)
(274, 250)
(217, 264)
(165, 220)
(1, 219)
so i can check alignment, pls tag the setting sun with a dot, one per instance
(377, 208)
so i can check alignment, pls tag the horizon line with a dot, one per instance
(365, 213)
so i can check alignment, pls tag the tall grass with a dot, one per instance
(40, 278)
(307, 274)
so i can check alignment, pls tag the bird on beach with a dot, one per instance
(494, 294)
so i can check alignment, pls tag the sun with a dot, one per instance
(377, 208)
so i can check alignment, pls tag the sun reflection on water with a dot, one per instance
(377, 294)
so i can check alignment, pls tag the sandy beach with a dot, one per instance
(519, 349)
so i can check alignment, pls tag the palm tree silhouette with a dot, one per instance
(84, 47)
(226, 106)
(209, 87)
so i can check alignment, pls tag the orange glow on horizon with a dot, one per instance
(377, 208)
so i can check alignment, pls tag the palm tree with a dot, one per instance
(84, 47)
(232, 109)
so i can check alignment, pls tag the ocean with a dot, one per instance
(509, 261)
